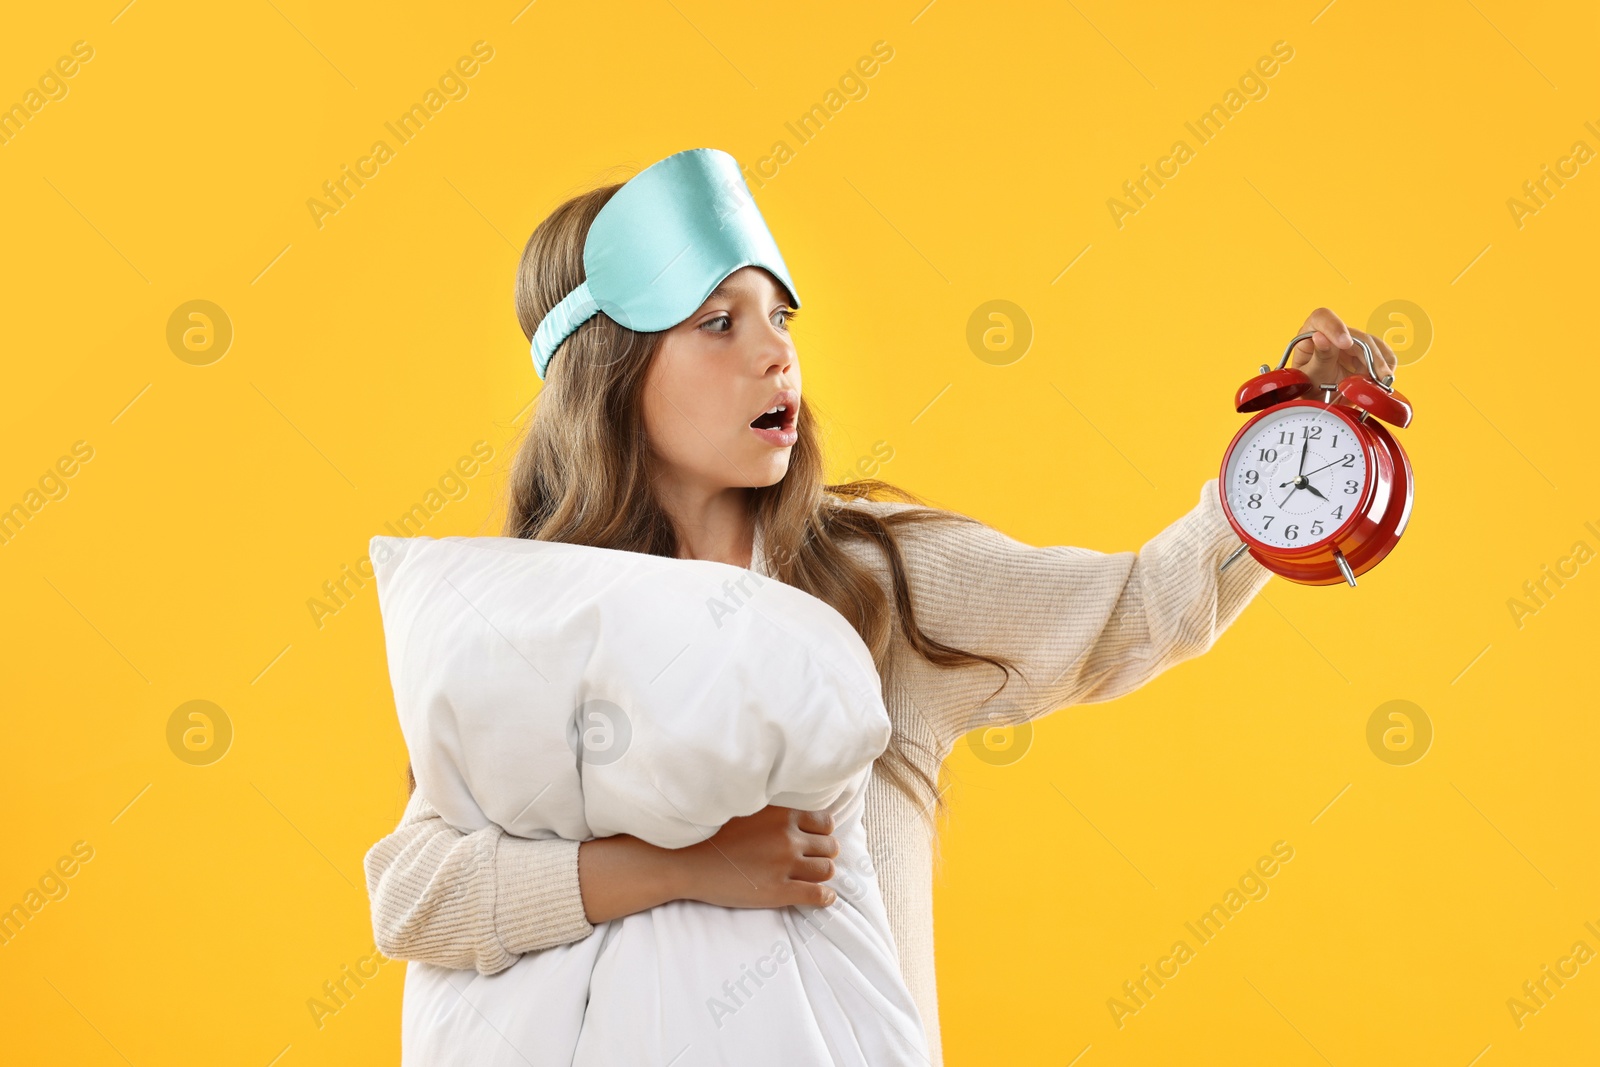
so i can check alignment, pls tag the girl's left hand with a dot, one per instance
(1331, 353)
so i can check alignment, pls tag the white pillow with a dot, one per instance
(565, 690)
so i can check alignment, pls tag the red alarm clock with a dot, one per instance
(1317, 489)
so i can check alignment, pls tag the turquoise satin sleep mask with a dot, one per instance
(658, 247)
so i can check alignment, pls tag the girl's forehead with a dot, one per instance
(747, 281)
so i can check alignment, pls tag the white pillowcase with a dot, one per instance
(697, 691)
(562, 690)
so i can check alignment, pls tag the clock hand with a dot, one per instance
(1325, 466)
(1303, 446)
(1300, 481)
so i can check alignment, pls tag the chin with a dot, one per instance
(771, 470)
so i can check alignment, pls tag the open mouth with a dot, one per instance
(781, 419)
(776, 425)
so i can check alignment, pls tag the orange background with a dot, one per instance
(370, 352)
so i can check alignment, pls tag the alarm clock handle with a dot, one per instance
(1386, 382)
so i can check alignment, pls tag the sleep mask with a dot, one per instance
(658, 247)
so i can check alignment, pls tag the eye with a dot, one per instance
(783, 316)
(710, 324)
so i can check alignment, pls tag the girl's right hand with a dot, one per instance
(776, 857)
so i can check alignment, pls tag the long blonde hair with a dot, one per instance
(583, 473)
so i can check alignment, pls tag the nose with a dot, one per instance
(781, 363)
(776, 352)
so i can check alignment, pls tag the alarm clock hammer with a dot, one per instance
(1343, 526)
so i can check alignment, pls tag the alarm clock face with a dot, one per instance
(1297, 476)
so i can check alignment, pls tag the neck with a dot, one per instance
(712, 524)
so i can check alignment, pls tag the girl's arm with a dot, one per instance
(470, 900)
(478, 900)
(1082, 626)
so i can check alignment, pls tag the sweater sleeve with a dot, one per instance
(470, 901)
(1081, 626)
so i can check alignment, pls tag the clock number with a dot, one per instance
(1316, 527)
(1351, 485)
(1254, 501)
(1269, 455)
(1349, 460)
(1291, 531)
(1338, 512)
(1286, 437)
(1313, 433)
(1266, 521)
(1252, 477)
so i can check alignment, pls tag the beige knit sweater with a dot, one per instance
(1083, 627)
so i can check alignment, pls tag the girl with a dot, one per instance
(666, 441)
